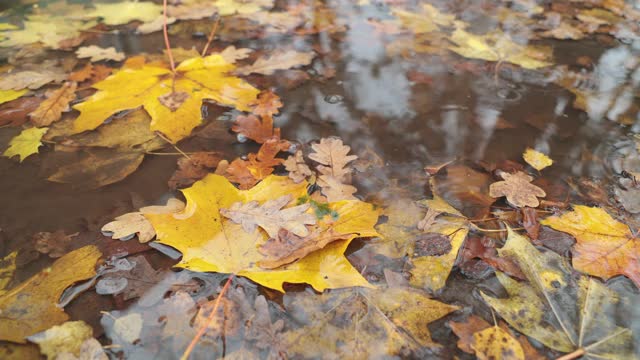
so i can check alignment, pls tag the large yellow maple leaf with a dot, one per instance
(210, 242)
(172, 101)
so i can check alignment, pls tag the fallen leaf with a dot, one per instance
(280, 60)
(124, 12)
(48, 29)
(335, 190)
(194, 168)
(258, 166)
(428, 19)
(96, 53)
(57, 102)
(363, 323)
(128, 327)
(201, 78)
(132, 279)
(495, 343)
(54, 244)
(91, 349)
(231, 54)
(518, 189)
(536, 159)
(563, 313)
(203, 235)
(266, 334)
(465, 189)
(26, 143)
(31, 306)
(498, 46)
(331, 153)
(605, 247)
(124, 226)
(530, 222)
(297, 168)
(257, 129)
(230, 7)
(7, 270)
(268, 104)
(15, 113)
(271, 216)
(67, 337)
(10, 95)
(98, 168)
(29, 79)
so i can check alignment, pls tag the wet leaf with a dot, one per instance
(124, 226)
(281, 60)
(98, 168)
(257, 129)
(67, 337)
(15, 113)
(518, 190)
(124, 12)
(268, 104)
(231, 54)
(57, 102)
(133, 279)
(9, 95)
(29, 79)
(335, 190)
(31, 306)
(96, 53)
(465, 189)
(257, 166)
(54, 244)
(536, 159)
(605, 247)
(331, 153)
(48, 29)
(563, 313)
(498, 46)
(201, 78)
(428, 19)
(26, 143)
(297, 168)
(362, 323)
(204, 236)
(91, 349)
(194, 168)
(495, 343)
(230, 7)
(270, 216)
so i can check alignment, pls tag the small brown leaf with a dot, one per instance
(287, 247)
(530, 222)
(173, 99)
(332, 154)
(258, 166)
(518, 189)
(14, 113)
(280, 60)
(96, 53)
(194, 168)
(268, 104)
(334, 190)
(56, 103)
(255, 129)
(428, 219)
(297, 168)
(54, 244)
(83, 74)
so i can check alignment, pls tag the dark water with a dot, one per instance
(411, 111)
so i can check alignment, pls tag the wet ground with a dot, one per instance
(404, 110)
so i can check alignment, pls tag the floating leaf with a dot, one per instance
(135, 223)
(26, 143)
(57, 102)
(518, 189)
(50, 30)
(201, 78)
(31, 306)
(124, 12)
(605, 247)
(96, 53)
(281, 60)
(536, 159)
(209, 242)
(67, 337)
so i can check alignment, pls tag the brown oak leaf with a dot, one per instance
(54, 244)
(518, 189)
(287, 247)
(194, 168)
(271, 216)
(247, 173)
(335, 190)
(83, 74)
(257, 129)
(332, 154)
(268, 104)
(297, 168)
(57, 102)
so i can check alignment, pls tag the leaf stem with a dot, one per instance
(574, 355)
(166, 36)
(206, 324)
(211, 35)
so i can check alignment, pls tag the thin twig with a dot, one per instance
(166, 37)
(211, 35)
(207, 323)
(161, 136)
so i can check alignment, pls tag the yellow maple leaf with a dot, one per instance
(536, 159)
(125, 12)
(210, 242)
(26, 143)
(150, 86)
(498, 46)
(9, 95)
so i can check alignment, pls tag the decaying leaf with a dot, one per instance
(231, 54)
(31, 306)
(15, 113)
(498, 46)
(67, 337)
(564, 313)
(57, 102)
(605, 247)
(331, 153)
(124, 12)
(536, 159)
(50, 30)
(202, 78)
(281, 60)
(96, 53)
(271, 216)
(268, 104)
(297, 168)
(54, 244)
(194, 168)
(230, 7)
(124, 226)
(209, 242)
(131, 278)
(363, 323)
(495, 343)
(26, 143)
(335, 190)
(30, 79)
(257, 129)
(91, 349)
(257, 166)
(518, 190)
(98, 168)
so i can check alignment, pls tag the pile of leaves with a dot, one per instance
(306, 249)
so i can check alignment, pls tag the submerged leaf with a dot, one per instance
(67, 337)
(536, 159)
(57, 102)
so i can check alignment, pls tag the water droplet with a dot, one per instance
(333, 99)
(241, 138)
